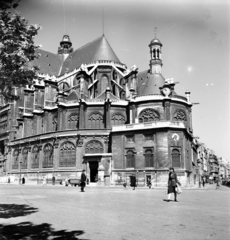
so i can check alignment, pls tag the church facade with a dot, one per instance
(87, 110)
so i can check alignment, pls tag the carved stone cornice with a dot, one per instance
(132, 107)
(106, 139)
(56, 144)
(80, 142)
(167, 104)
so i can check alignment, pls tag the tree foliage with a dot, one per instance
(17, 49)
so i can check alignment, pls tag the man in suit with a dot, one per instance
(133, 181)
(83, 180)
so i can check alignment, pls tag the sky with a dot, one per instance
(195, 52)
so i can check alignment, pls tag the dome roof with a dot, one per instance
(149, 83)
(156, 41)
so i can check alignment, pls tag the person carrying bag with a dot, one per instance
(173, 184)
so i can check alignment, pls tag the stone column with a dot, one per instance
(132, 113)
(190, 119)
(107, 109)
(82, 115)
(167, 110)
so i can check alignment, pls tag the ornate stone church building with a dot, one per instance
(87, 110)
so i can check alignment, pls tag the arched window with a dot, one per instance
(158, 53)
(104, 83)
(130, 160)
(48, 156)
(149, 158)
(122, 95)
(154, 53)
(63, 86)
(179, 115)
(149, 115)
(96, 89)
(15, 163)
(73, 121)
(114, 75)
(35, 157)
(55, 123)
(176, 158)
(118, 119)
(24, 158)
(94, 146)
(95, 121)
(114, 89)
(67, 155)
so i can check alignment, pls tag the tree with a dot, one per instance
(17, 49)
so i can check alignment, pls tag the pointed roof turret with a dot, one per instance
(99, 49)
(65, 45)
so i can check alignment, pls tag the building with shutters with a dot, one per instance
(87, 110)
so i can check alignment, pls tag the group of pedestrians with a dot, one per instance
(131, 181)
(173, 186)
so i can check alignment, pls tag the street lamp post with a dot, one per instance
(156, 177)
(38, 177)
(20, 162)
(144, 177)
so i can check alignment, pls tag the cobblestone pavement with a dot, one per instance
(103, 213)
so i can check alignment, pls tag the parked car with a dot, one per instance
(74, 182)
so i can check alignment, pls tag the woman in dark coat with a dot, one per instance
(133, 181)
(172, 182)
(83, 180)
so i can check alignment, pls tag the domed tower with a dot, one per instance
(65, 45)
(155, 53)
(151, 80)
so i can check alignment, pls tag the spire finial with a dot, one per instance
(155, 32)
(64, 17)
(103, 21)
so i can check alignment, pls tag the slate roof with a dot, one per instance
(48, 63)
(149, 83)
(99, 49)
(54, 64)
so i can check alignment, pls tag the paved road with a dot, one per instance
(103, 213)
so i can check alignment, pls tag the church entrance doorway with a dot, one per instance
(93, 166)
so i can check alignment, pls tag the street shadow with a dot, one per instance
(166, 200)
(15, 210)
(27, 230)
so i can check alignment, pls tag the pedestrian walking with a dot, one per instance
(126, 184)
(66, 182)
(133, 181)
(152, 183)
(172, 183)
(23, 180)
(53, 180)
(83, 180)
(217, 182)
(204, 181)
(44, 182)
(149, 183)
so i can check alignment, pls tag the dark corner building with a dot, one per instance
(87, 110)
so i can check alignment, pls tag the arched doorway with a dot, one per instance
(93, 151)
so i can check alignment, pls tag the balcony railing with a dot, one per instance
(157, 124)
